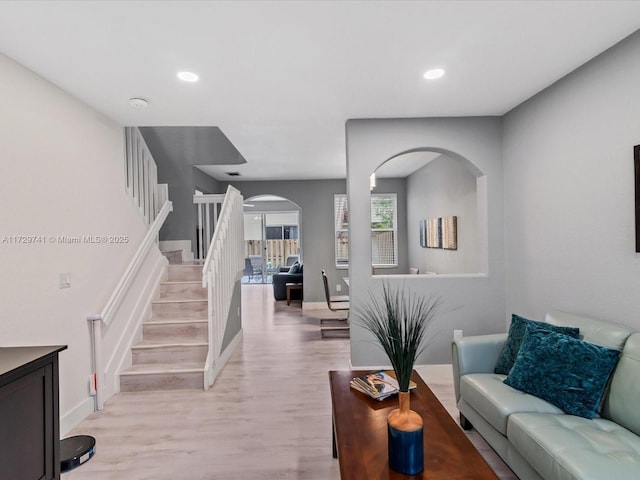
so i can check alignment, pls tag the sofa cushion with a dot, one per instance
(495, 401)
(595, 331)
(570, 373)
(295, 268)
(621, 404)
(565, 447)
(516, 332)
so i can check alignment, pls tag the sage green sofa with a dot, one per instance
(537, 439)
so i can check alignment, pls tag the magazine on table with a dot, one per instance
(378, 385)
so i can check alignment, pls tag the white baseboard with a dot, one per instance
(314, 306)
(69, 420)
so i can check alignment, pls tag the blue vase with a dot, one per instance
(405, 433)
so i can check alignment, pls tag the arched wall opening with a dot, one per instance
(443, 191)
(272, 236)
(473, 301)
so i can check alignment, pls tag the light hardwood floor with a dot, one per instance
(267, 417)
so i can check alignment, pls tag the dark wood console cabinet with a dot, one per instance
(29, 413)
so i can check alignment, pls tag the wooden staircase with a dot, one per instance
(174, 344)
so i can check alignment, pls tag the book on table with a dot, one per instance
(378, 385)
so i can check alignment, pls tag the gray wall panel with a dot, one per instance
(569, 188)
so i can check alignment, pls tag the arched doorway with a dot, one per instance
(272, 236)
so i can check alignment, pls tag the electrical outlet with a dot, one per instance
(65, 280)
(338, 288)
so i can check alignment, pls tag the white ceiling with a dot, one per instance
(281, 78)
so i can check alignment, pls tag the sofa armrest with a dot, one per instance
(476, 354)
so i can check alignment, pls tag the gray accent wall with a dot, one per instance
(183, 179)
(444, 187)
(569, 190)
(472, 302)
(204, 182)
(234, 319)
(315, 199)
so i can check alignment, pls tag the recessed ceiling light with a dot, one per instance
(138, 102)
(188, 76)
(433, 74)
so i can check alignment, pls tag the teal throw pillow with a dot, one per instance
(567, 372)
(295, 268)
(516, 331)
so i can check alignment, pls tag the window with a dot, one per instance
(341, 216)
(383, 231)
(384, 235)
(280, 232)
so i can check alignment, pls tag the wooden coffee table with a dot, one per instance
(360, 435)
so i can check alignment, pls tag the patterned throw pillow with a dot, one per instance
(570, 373)
(516, 332)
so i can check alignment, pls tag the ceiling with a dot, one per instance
(280, 78)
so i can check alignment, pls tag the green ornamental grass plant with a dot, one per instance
(399, 321)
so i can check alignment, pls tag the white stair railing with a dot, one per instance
(115, 300)
(222, 269)
(206, 220)
(141, 174)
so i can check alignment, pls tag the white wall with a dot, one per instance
(61, 174)
(474, 303)
(443, 187)
(569, 190)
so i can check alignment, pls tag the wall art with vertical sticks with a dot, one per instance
(441, 232)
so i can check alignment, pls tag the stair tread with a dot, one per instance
(159, 368)
(178, 297)
(172, 321)
(182, 282)
(172, 341)
(165, 301)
